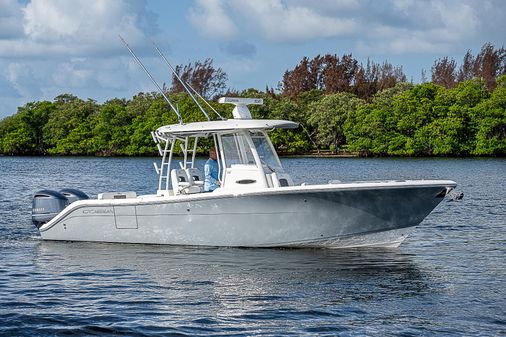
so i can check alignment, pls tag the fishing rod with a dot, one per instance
(152, 79)
(205, 101)
(181, 81)
(187, 86)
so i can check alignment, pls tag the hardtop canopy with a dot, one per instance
(224, 126)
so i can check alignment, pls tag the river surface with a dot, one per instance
(447, 278)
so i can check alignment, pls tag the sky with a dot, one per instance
(51, 47)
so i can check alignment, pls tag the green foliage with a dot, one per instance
(404, 120)
(158, 113)
(428, 119)
(22, 133)
(68, 130)
(328, 115)
(490, 120)
(338, 103)
(372, 128)
(289, 141)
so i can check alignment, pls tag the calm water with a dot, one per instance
(448, 278)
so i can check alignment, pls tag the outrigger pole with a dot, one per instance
(181, 81)
(187, 86)
(153, 80)
(205, 101)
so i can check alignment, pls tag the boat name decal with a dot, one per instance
(98, 211)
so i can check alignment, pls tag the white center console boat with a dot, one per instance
(256, 204)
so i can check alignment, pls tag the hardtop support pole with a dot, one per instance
(194, 151)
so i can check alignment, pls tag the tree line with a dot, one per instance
(340, 104)
(487, 65)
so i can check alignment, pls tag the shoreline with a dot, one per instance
(281, 155)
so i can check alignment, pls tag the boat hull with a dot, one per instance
(330, 217)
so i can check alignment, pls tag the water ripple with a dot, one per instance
(446, 279)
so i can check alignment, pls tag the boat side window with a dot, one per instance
(236, 150)
(267, 156)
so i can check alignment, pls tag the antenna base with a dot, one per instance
(241, 110)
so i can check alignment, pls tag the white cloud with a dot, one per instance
(10, 19)
(6, 87)
(440, 26)
(328, 6)
(48, 47)
(275, 20)
(460, 21)
(282, 22)
(52, 20)
(72, 28)
(210, 19)
(25, 78)
(72, 74)
(399, 26)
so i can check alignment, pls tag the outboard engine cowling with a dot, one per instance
(46, 204)
(73, 195)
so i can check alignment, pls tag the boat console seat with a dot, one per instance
(181, 183)
(196, 177)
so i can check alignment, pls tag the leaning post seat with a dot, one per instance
(196, 177)
(181, 183)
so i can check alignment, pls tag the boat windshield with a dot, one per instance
(268, 157)
(236, 150)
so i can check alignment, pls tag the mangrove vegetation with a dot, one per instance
(341, 105)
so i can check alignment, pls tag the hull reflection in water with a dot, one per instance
(227, 286)
(171, 264)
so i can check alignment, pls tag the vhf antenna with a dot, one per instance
(153, 80)
(187, 86)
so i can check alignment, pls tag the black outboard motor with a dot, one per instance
(73, 195)
(46, 204)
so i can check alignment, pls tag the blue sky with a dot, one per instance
(50, 47)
